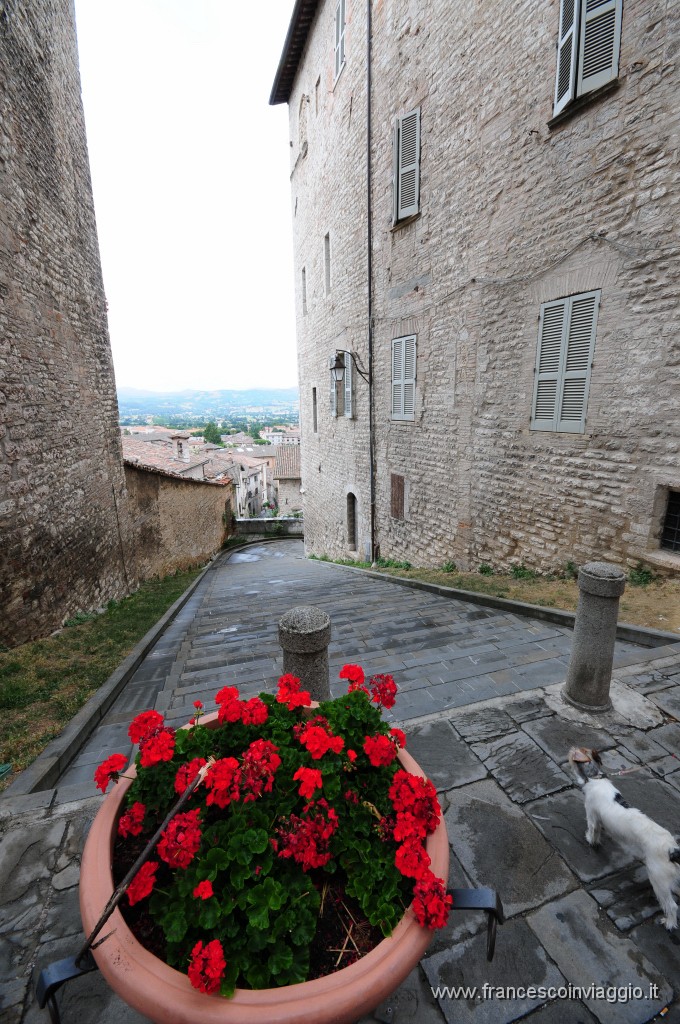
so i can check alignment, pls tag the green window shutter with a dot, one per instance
(567, 52)
(577, 359)
(566, 341)
(407, 165)
(348, 382)
(404, 378)
(600, 39)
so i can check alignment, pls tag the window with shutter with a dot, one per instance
(404, 378)
(339, 37)
(348, 385)
(588, 45)
(566, 340)
(406, 165)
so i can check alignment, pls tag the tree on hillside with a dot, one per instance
(211, 433)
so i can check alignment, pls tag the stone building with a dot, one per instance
(486, 245)
(63, 533)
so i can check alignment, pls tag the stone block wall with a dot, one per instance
(63, 530)
(177, 523)
(515, 212)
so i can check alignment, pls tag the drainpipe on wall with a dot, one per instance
(369, 272)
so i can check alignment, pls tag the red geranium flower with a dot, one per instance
(253, 711)
(203, 890)
(143, 882)
(310, 779)
(399, 737)
(354, 673)
(187, 773)
(180, 841)
(290, 694)
(131, 823)
(384, 690)
(412, 859)
(260, 762)
(431, 904)
(207, 966)
(222, 781)
(144, 724)
(306, 839)
(108, 770)
(380, 750)
(157, 747)
(318, 741)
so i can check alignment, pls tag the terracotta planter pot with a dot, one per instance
(167, 997)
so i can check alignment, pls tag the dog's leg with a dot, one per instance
(594, 828)
(662, 876)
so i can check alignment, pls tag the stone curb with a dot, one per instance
(624, 631)
(48, 766)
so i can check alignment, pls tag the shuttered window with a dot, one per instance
(348, 385)
(339, 37)
(566, 340)
(407, 165)
(404, 378)
(588, 45)
(397, 496)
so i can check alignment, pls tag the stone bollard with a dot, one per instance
(304, 635)
(592, 654)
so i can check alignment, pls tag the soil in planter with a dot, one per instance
(343, 934)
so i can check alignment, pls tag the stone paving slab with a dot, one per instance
(587, 951)
(443, 756)
(519, 863)
(520, 960)
(521, 767)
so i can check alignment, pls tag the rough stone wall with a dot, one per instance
(62, 508)
(328, 134)
(177, 522)
(288, 496)
(513, 213)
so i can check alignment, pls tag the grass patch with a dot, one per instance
(44, 683)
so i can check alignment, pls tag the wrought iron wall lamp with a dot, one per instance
(337, 366)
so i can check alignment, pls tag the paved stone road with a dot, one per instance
(576, 917)
(445, 653)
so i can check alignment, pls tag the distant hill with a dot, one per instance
(138, 402)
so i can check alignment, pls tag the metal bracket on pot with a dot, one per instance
(481, 899)
(51, 979)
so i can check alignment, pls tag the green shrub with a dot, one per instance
(640, 576)
(485, 569)
(521, 572)
(571, 571)
(449, 567)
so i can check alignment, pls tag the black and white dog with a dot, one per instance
(642, 837)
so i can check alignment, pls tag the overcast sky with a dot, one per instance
(190, 171)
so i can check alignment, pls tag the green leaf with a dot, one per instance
(257, 976)
(280, 960)
(217, 858)
(257, 840)
(175, 925)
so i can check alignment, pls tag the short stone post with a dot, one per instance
(592, 654)
(304, 635)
